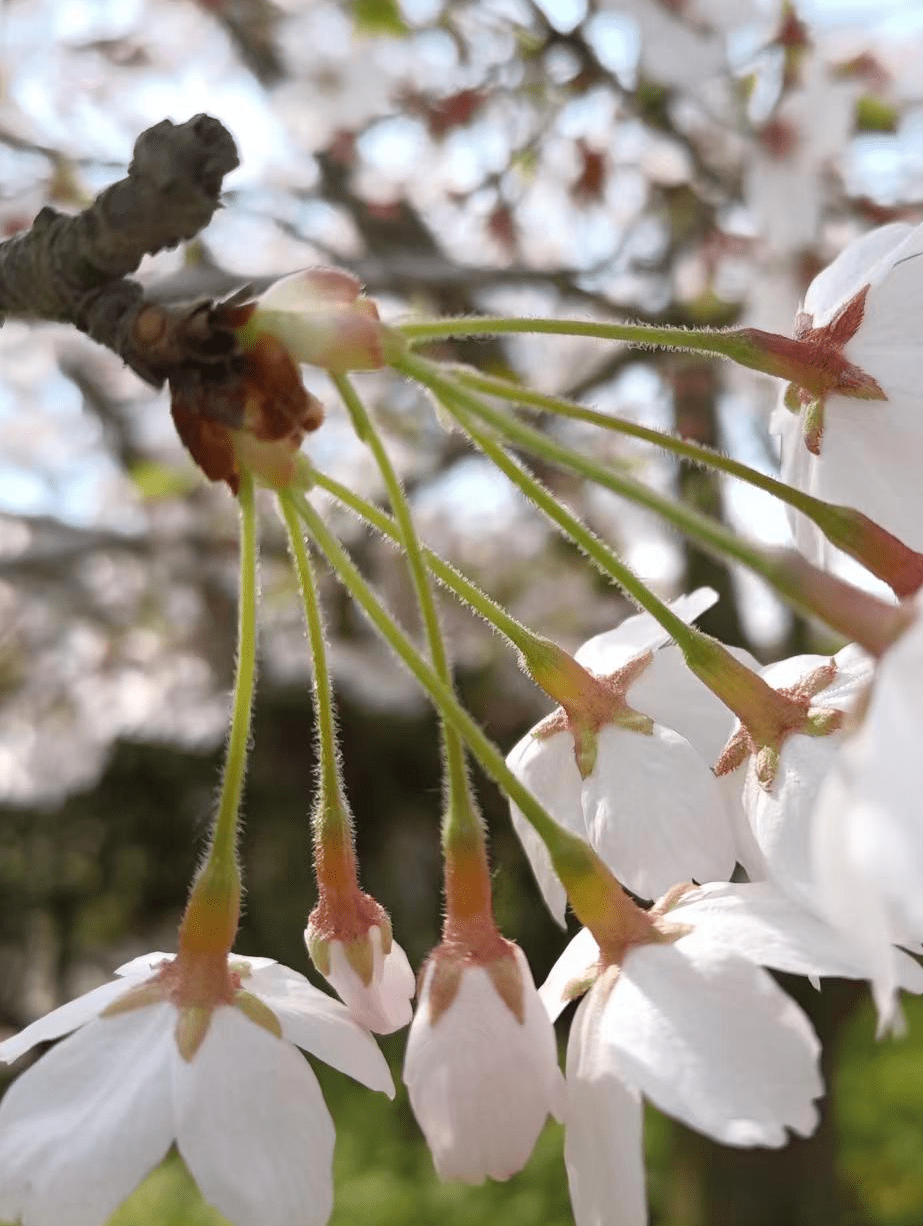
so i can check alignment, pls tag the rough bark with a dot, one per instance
(74, 269)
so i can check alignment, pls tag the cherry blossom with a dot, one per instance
(806, 131)
(650, 805)
(692, 1022)
(864, 308)
(84, 1125)
(481, 1065)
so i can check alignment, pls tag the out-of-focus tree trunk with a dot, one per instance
(696, 385)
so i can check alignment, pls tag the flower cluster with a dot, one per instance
(669, 766)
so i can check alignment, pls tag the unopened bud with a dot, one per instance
(322, 319)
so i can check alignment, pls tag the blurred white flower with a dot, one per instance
(808, 129)
(82, 1127)
(650, 805)
(866, 308)
(481, 1066)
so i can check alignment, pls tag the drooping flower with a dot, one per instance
(481, 1065)
(348, 934)
(635, 780)
(865, 309)
(687, 1017)
(780, 783)
(196, 1052)
(867, 839)
(368, 970)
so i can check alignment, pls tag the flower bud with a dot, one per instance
(322, 319)
(369, 972)
(481, 1066)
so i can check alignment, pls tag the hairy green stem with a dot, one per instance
(882, 554)
(491, 610)
(223, 850)
(456, 777)
(572, 858)
(329, 760)
(853, 613)
(763, 351)
(463, 405)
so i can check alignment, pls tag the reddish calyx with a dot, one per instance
(792, 714)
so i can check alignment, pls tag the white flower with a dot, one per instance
(780, 813)
(481, 1065)
(700, 1029)
(868, 835)
(84, 1125)
(866, 308)
(697, 1027)
(651, 806)
(383, 1002)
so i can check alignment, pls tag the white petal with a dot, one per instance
(577, 960)
(671, 694)
(792, 669)
(655, 813)
(869, 458)
(82, 1127)
(481, 1083)
(849, 898)
(383, 1005)
(766, 926)
(780, 817)
(852, 269)
(548, 768)
(798, 468)
(746, 848)
(248, 965)
(603, 1144)
(854, 670)
(712, 1040)
(253, 1128)
(321, 1025)
(604, 653)
(144, 965)
(64, 1019)
(867, 859)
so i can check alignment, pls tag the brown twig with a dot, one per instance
(74, 269)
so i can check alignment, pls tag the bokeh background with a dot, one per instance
(681, 161)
